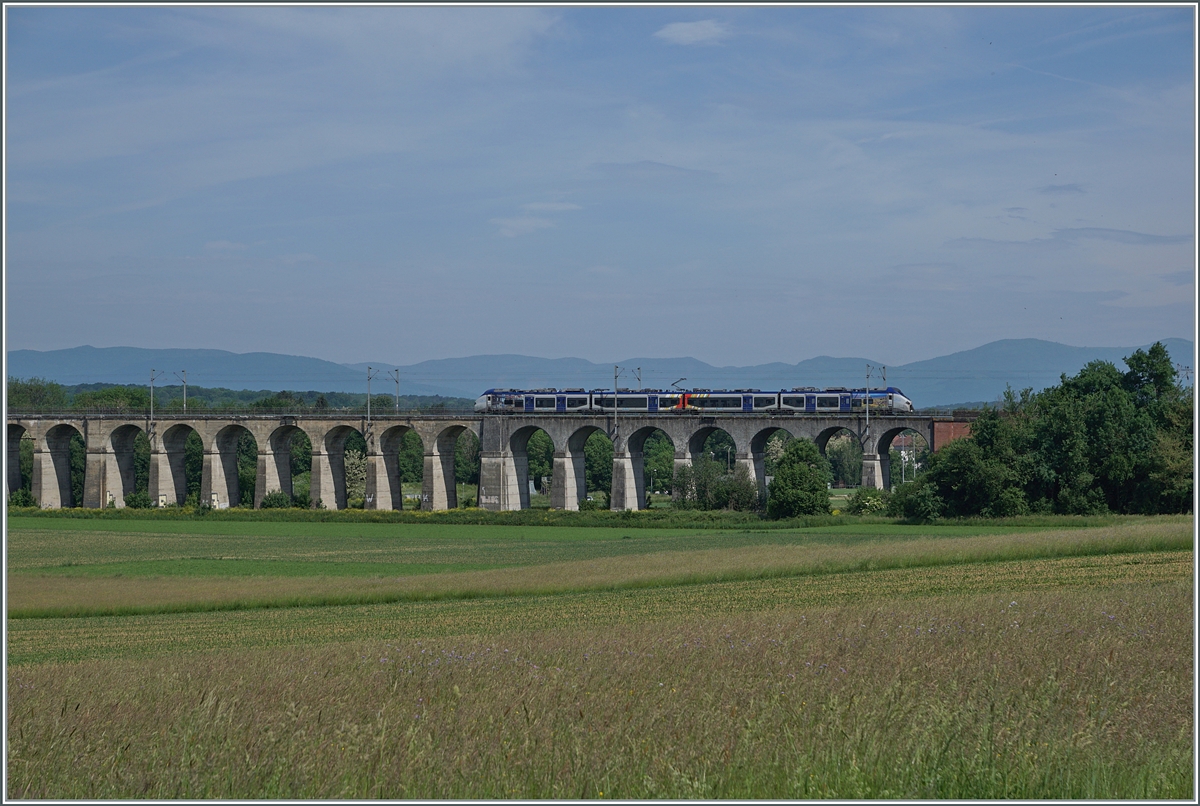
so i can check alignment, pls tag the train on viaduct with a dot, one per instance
(503, 438)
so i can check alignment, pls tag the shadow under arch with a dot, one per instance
(333, 468)
(569, 485)
(276, 472)
(168, 467)
(121, 481)
(518, 446)
(439, 487)
(14, 480)
(52, 485)
(222, 486)
(385, 480)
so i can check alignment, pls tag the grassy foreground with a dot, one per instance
(1075, 693)
(198, 660)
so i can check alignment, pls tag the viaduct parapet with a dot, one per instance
(504, 462)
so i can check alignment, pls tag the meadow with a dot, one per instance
(238, 659)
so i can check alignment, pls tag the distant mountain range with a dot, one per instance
(978, 375)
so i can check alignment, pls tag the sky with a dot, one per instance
(738, 185)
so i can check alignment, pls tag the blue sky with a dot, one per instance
(737, 185)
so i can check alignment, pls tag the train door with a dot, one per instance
(560, 403)
(529, 403)
(812, 403)
(748, 403)
(651, 402)
(845, 403)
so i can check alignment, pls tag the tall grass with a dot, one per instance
(236, 624)
(649, 518)
(1082, 693)
(32, 596)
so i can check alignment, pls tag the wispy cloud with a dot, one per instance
(704, 32)
(512, 227)
(550, 207)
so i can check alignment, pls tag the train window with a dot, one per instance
(543, 402)
(576, 402)
(602, 402)
(719, 402)
(856, 403)
(763, 402)
(795, 402)
(631, 403)
(667, 402)
(827, 403)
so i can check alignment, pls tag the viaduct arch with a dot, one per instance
(503, 441)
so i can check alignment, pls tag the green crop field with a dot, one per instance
(150, 658)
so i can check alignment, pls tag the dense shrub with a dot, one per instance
(705, 485)
(21, 498)
(801, 483)
(276, 499)
(138, 500)
(915, 501)
(867, 501)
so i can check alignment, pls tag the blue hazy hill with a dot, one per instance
(980, 374)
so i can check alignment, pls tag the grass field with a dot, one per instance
(235, 659)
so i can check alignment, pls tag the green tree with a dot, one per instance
(971, 483)
(719, 447)
(598, 463)
(26, 460)
(773, 451)
(118, 398)
(301, 453)
(141, 463)
(247, 468)
(845, 459)
(411, 458)
(285, 401)
(466, 458)
(658, 461)
(540, 451)
(34, 394)
(801, 483)
(695, 483)
(78, 464)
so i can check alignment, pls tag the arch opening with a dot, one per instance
(231, 474)
(466, 468)
(533, 462)
(402, 456)
(902, 454)
(59, 468)
(652, 456)
(842, 448)
(177, 471)
(440, 483)
(285, 471)
(342, 482)
(19, 481)
(127, 481)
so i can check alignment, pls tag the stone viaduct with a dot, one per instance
(109, 440)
